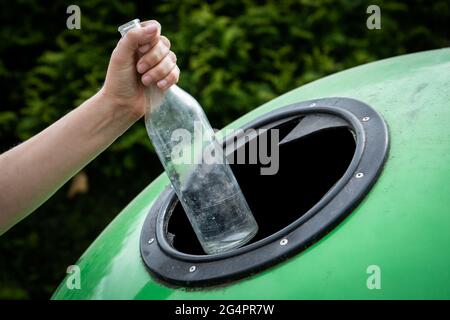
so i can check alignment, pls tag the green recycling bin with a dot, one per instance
(355, 205)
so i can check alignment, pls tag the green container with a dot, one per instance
(401, 226)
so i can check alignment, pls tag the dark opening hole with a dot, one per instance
(308, 169)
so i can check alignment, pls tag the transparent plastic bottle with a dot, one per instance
(197, 168)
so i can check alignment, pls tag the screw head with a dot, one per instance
(192, 268)
(365, 119)
(284, 242)
(151, 240)
(359, 175)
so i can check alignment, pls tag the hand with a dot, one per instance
(141, 58)
(30, 175)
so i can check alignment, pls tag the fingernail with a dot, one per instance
(162, 83)
(147, 79)
(142, 67)
(150, 28)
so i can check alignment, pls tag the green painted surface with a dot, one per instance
(402, 225)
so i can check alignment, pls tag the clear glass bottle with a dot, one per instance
(197, 168)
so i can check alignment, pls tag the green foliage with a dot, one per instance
(234, 56)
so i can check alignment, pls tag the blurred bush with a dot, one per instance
(234, 56)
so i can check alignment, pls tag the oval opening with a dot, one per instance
(308, 168)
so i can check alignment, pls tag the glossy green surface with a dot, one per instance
(403, 225)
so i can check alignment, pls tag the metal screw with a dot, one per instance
(192, 268)
(284, 242)
(151, 240)
(312, 104)
(359, 175)
(365, 119)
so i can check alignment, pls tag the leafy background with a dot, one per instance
(234, 56)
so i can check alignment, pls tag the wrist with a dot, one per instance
(120, 110)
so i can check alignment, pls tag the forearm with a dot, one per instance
(31, 172)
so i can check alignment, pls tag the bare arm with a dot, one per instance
(31, 172)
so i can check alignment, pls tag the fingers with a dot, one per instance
(143, 49)
(157, 63)
(170, 79)
(147, 36)
(153, 56)
(166, 41)
(163, 74)
(148, 22)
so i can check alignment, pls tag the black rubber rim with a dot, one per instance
(181, 269)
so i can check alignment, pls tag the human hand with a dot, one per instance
(141, 58)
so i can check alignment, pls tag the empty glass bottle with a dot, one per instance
(197, 168)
